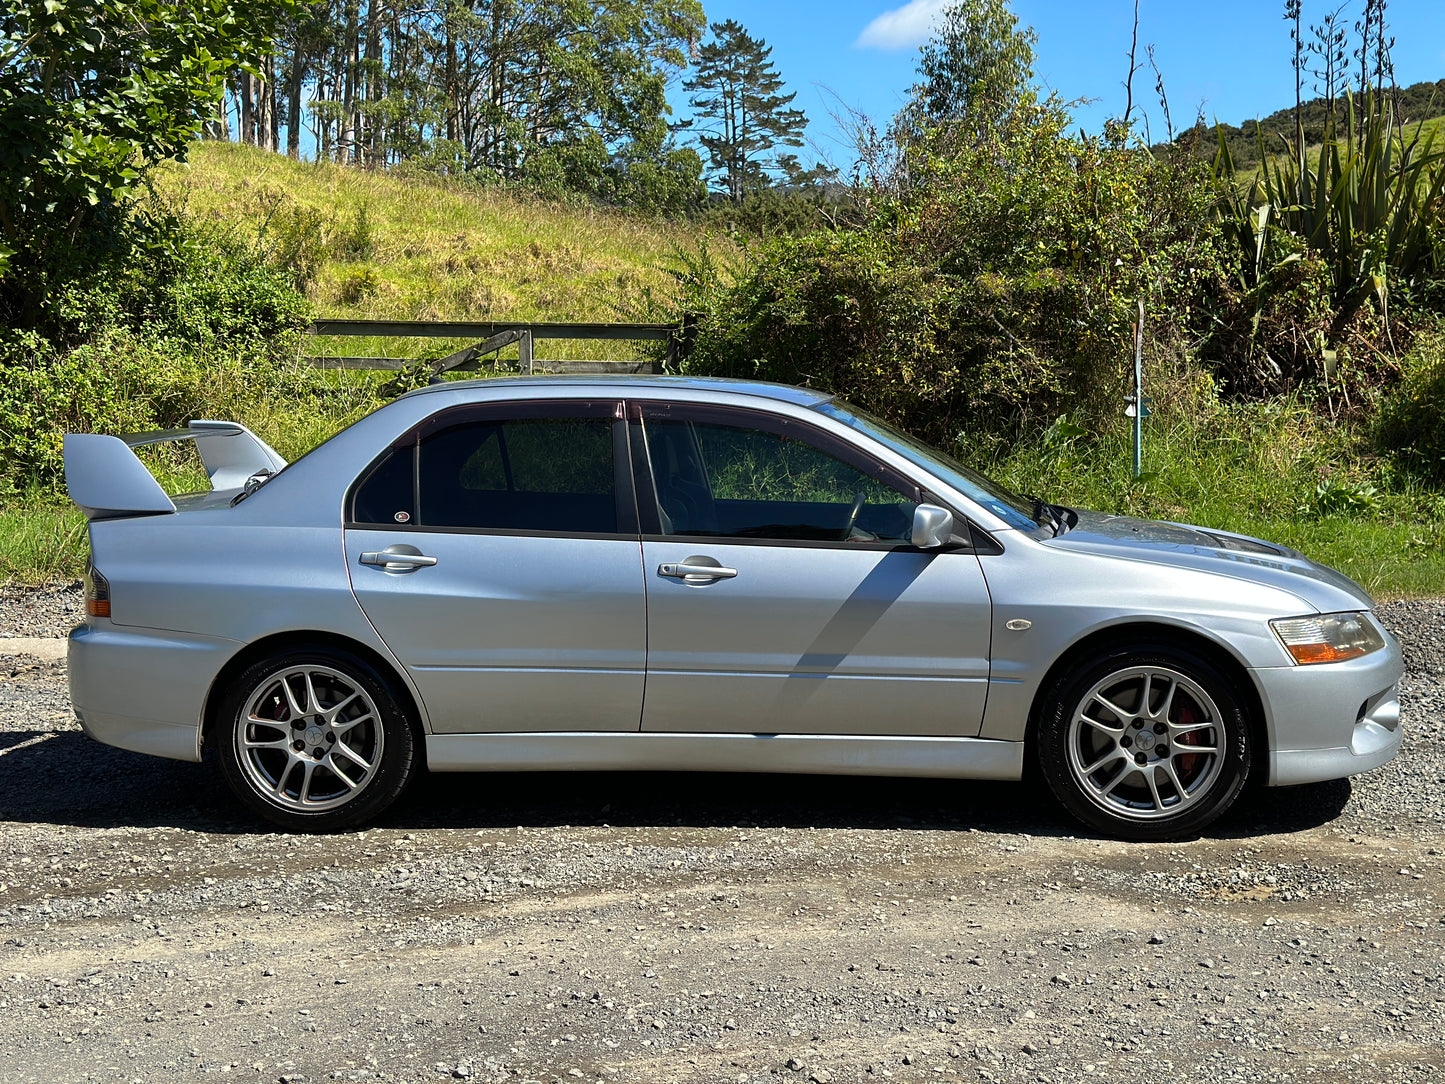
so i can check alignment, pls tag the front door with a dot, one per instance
(497, 555)
(783, 594)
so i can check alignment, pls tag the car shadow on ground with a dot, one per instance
(63, 778)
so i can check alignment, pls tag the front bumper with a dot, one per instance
(1332, 720)
(144, 689)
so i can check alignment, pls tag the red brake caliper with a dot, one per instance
(1189, 761)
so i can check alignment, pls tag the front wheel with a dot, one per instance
(1145, 744)
(314, 740)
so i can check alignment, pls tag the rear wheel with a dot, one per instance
(314, 740)
(1145, 744)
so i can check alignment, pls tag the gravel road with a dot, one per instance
(710, 928)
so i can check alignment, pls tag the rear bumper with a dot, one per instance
(144, 689)
(1334, 719)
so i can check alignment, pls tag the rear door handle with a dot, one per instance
(399, 558)
(689, 571)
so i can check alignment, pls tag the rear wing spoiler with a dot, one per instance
(106, 480)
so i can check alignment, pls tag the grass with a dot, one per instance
(377, 245)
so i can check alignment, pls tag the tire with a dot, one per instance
(1145, 743)
(314, 740)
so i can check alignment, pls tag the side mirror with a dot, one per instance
(932, 526)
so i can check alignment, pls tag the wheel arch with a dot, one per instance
(282, 641)
(1153, 634)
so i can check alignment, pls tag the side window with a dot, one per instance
(387, 494)
(741, 482)
(527, 474)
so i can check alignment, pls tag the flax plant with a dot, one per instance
(1369, 204)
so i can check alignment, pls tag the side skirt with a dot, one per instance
(949, 758)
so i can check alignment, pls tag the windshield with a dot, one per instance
(1007, 505)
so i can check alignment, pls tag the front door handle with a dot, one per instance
(398, 558)
(693, 569)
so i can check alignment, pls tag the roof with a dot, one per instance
(623, 384)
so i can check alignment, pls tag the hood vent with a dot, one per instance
(1244, 545)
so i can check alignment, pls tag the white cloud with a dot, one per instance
(902, 27)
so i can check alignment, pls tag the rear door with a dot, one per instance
(783, 593)
(495, 549)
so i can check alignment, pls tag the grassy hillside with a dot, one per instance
(379, 245)
(1420, 101)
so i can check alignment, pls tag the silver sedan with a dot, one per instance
(672, 574)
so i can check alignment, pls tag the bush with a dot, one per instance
(994, 292)
(201, 284)
(769, 213)
(1412, 417)
(357, 285)
(191, 322)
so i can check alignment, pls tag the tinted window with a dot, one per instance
(530, 474)
(386, 496)
(1004, 503)
(735, 481)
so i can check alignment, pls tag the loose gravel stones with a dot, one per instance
(656, 928)
(41, 611)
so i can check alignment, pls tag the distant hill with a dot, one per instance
(1419, 102)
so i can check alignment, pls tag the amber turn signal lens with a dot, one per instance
(97, 593)
(1328, 637)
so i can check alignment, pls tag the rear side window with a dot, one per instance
(554, 474)
(532, 474)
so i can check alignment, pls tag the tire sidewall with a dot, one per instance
(398, 747)
(1052, 741)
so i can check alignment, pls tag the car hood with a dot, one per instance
(1219, 552)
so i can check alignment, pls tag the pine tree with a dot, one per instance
(736, 92)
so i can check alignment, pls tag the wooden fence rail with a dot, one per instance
(492, 335)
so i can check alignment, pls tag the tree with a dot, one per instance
(977, 65)
(91, 93)
(736, 89)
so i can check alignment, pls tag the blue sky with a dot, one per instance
(1229, 56)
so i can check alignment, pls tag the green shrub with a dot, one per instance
(191, 322)
(294, 239)
(355, 240)
(1411, 422)
(997, 290)
(199, 283)
(357, 285)
(769, 213)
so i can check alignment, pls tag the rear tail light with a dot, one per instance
(97, 593)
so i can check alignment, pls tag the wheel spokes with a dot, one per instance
(1126, 760)
(351, 755)
(332, 712)
(1152, 778)
(328, 759)
(1113, 709)
(1105, 760)
(344, 728)
(297, 711)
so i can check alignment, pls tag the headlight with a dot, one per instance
(1328, 637)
